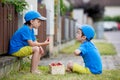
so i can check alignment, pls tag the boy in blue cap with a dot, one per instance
(88, 51)
(24, 43)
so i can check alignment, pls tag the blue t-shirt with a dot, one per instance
(91, 57)
(20, 37)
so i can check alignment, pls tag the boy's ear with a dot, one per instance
(84, 37)
(31, 21)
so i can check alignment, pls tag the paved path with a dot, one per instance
(114, 38)
(112, 62)
(109, 62)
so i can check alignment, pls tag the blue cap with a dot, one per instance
(30, 15)
(88, 31)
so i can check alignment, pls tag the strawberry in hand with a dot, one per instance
(47, 41)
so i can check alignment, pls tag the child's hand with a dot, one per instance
(47, 41)
(77, 52)
(41, 51)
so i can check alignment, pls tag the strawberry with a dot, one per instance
(58, 64)
(53, 64)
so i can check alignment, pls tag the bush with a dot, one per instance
(20, 5)
(108, 18)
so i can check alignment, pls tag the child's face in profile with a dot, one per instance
(36, 23)
(79, 36)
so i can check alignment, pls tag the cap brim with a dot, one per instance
(42, 18)
(79, 26)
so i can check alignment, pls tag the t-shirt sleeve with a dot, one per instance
(83, 51)
(26, 35)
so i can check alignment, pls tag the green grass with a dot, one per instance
(104, 48)
(70, 49)
(24, 74)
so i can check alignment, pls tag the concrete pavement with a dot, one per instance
(112, 62)
(114, 38)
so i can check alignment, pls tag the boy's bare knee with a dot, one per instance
(35, 49)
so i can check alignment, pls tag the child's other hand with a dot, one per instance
(41, 51)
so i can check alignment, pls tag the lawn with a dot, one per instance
(104, 48)
(24, 74)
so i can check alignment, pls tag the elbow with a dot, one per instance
(75, 54)
(32, 44)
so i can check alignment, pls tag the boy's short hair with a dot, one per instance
(27, 23)
(88, 31)
(30, 15)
